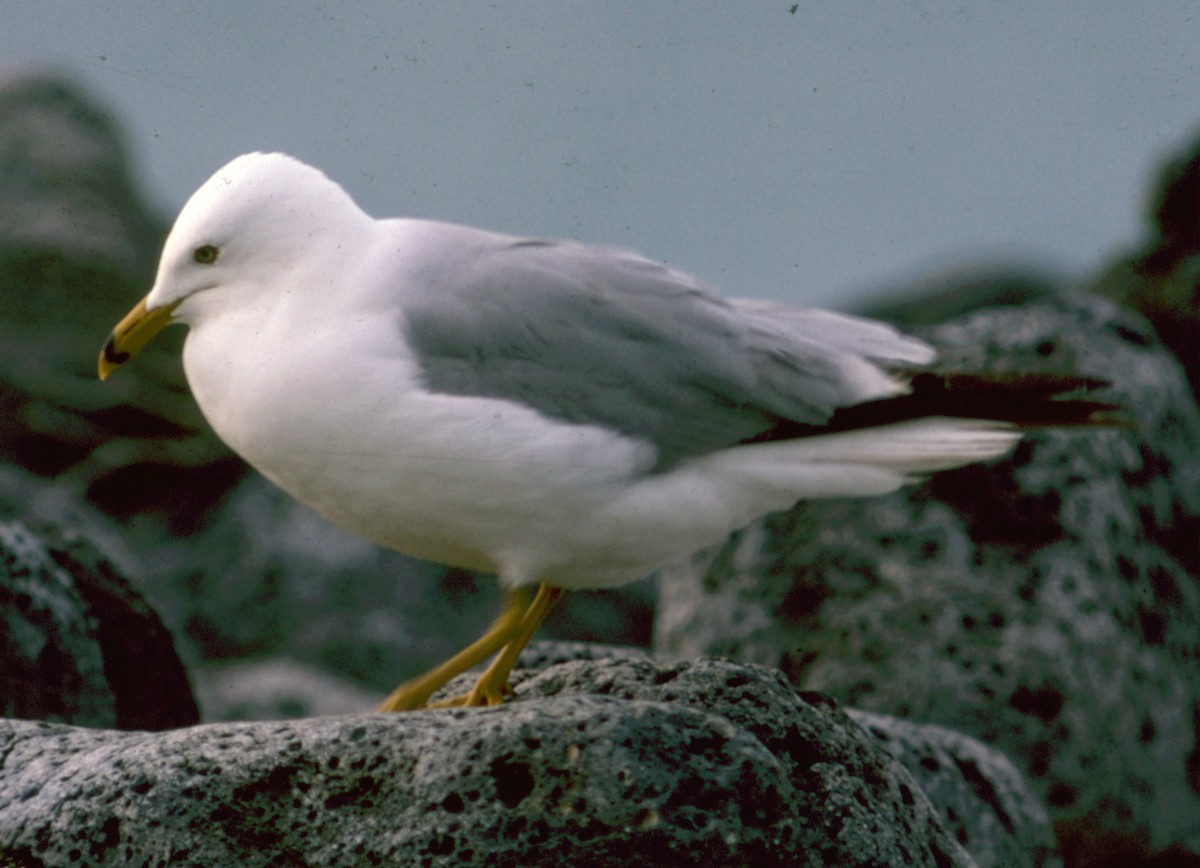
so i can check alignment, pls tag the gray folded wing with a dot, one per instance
(599, 336)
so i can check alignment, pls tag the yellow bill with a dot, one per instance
(131, 334)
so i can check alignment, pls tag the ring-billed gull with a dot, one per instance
(562, 415)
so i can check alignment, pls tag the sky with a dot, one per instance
(814, 154)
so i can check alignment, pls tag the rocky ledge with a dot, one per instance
(610, 761)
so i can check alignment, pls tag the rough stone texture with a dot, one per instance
(983, 800)
(606, 762)
(78, 644)
(978, 794)
(1047, 604)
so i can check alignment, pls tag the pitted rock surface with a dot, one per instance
(724, 765)
(1046, 604)
(984, 801)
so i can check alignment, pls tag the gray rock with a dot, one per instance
(53, 668)
(1161, 278)
(1046, 605)
(66, 185)
(608, 762)
(79, 645)
(957, 290)
(978, 794)
(982, 798)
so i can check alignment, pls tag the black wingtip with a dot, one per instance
(1029, 401)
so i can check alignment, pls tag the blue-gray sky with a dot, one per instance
(808, 156)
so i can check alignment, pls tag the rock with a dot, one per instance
(79, 645)
(955, 291)
(53, 668)
(1046, 605)
(980, 795)
(66, 185)
(608, 762)
(1161, 279)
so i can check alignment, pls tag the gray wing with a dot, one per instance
(600, 336)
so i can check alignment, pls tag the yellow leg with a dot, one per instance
(414, 694)
(493, 683)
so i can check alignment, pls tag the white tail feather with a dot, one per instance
(859, 463)
(917, 446)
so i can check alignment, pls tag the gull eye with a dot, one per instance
(205, 254)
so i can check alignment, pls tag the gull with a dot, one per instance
(560, 415)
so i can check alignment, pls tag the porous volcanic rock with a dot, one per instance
(606, 762)
(1046, 604)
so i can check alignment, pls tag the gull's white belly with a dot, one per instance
(457, 489)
